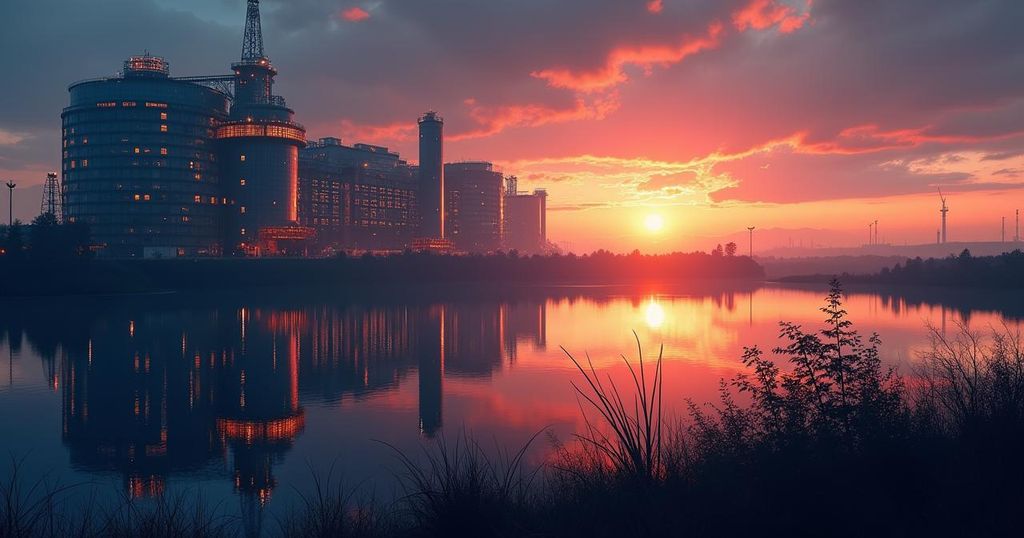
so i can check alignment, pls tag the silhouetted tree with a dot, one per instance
(15, 241)
(834, 390)
(730, 249)
(53, 241)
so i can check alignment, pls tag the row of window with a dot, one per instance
(97, 142)
(244, 130)
(138, 127)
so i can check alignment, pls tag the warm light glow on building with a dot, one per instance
(261, 130)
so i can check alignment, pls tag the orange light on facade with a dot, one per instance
(261, 130)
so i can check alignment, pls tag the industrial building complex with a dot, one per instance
(164, 166)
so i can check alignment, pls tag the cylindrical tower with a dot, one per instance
(431, 171)
(138, 162)
(259, 149)
(260, 170)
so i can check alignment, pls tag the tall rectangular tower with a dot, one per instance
(431, 178)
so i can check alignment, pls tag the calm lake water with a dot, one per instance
(244, 397)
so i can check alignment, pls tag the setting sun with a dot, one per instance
(654, 223)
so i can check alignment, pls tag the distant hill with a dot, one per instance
(927, 250)
(775, 268)
(964, 270)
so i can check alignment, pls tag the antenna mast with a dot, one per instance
(53, 198)
(252, 43)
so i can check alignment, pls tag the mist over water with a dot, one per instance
(244, 396)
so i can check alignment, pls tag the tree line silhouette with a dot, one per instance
(57, 259)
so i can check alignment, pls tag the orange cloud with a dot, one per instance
(394, 132)
(645, 56)
(870, 138)
(654, 6)
(493, 120)
(355, 14)
(762, 14)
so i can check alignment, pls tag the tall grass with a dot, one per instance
(333, 510)
(629, 431)
(457, 489)
(43, 509)
(33, 508)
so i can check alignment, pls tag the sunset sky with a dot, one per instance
(808, 119)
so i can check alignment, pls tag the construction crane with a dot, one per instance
(943, 211)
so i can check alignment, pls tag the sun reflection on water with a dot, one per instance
(654, 313)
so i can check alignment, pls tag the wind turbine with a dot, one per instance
(943, 211)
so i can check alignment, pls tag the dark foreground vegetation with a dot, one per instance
(28, 275)
(1002, 271)
(816, 438)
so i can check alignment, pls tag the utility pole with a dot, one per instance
(10, 203)
(1016, 226)
(1002, 232)
(876, 232)
(751, 230)
(871, 234)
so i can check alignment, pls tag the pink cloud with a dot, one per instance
(493, 120)
(763, 14)
(393, 132)
(654, 6)
(644, 56)
(355, 14)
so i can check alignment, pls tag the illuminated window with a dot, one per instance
(198, 176)
(243, 231)
(137, 197)
(163, 128)
(198, 199)
(241, 158)
(213, 200)
(242, 209)
(85, 139)
(241, 182)
(146, 197)
(163, 151)
(163, 115)
(184, 218)
(128, 103)
(85, 163)
(136, 151)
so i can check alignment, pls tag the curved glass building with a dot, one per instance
(140, 163)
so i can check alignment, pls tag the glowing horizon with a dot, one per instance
(714, 115)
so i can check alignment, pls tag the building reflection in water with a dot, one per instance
(220, 391)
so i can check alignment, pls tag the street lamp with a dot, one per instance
(10, 204)
(751, 230)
